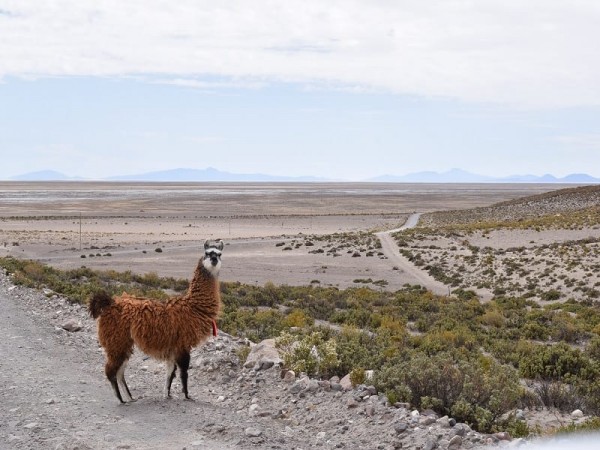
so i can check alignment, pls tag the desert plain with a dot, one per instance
(284, 233)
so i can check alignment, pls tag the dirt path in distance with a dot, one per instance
(391, 250)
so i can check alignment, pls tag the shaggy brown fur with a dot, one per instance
(167, 331)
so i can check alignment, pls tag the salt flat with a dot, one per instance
(121, 225)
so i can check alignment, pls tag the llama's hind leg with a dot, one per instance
(183, 362)
(123, 383)
(171, 368)
(111, 369)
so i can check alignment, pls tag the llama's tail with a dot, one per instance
(98, 302)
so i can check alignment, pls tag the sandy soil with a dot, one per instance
(120, 226)
(544, 265)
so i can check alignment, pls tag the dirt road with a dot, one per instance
(408, 269)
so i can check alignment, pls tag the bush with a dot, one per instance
(476, 391)
(310, 353)
(555, 394)
(357, 376)
(554, 362)
(551, 295)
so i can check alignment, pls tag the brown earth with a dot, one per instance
(121, 226)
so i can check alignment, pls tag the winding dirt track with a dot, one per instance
(391, 250)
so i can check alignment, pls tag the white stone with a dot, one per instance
(253, 432)
(577, 414)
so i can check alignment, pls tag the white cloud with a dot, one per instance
(531, 54)
(211, 86)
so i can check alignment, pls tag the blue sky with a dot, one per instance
(340, 89)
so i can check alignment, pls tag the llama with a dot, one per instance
(166, 331)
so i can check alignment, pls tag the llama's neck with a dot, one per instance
(204, 291)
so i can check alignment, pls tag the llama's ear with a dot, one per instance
(206, 245)
(220, 247)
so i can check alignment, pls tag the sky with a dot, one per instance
(342, 89)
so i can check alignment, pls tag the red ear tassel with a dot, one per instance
(214, 325)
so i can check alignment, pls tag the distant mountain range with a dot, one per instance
(461, 176)
(44, 175)
(212, 174)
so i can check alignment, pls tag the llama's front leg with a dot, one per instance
(183, 362)
(171, 368)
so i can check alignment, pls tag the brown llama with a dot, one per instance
(166, 331)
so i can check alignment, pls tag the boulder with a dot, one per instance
(263, 355)
(346, 383)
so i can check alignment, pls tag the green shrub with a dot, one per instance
(309, 353)
(475, 391)
(357, 376)
(554, 362)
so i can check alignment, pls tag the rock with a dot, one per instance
(455, 442)
(372, 390)
(252, 432)
(262, 354)
(427, 420)
(346, 383)
(400, 427)
(430, 444)
(452, 422)
(415, 414)
(429, 412)
(444, 422)
(298, 386)
(334, 379)
(502, 436)
(336, 387)
(31, 425)
(312, 386)
(460, 429)
(71, 325)
(520, 414)
(265, 364)
(577, 414)
(370, 410)
(289, 376)
(351, 403)
(325, 385)
(400, 405)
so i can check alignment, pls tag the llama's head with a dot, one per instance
(212, 257)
